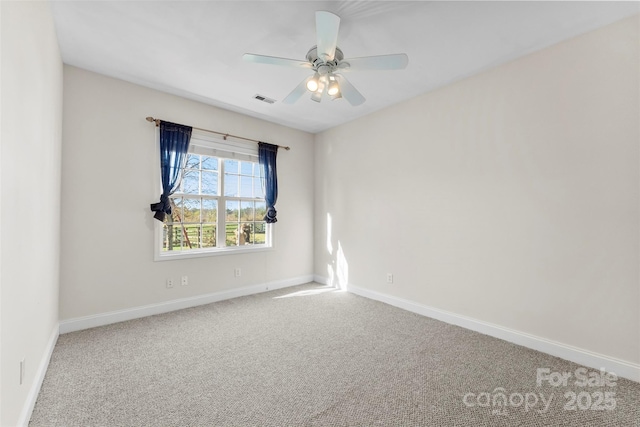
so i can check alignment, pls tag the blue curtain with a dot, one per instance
(267, 154)
(174, 143)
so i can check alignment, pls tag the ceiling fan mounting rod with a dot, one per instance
(321, 66)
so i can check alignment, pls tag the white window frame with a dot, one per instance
(207, 144)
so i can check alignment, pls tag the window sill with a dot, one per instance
(235, 250)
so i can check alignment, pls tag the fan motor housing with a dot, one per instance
(319, 65)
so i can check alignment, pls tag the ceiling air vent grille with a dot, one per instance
(264, 99)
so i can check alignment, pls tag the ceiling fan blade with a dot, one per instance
(327, 26)
(274, 60)
(382, 62)
(349, 92)
(297, 92)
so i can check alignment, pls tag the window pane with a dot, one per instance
(208, 235)
(231, 166)
(192, 238)
(169, 219)
(245, 234)
(231, 238)
(246, 211)
(209, 211)
(246, 186)
(171, 237)
(232, 211)
(191, 210)
(193, 161)
(210, 163)
(246, 168)
(190, 180)
(261, 210)
(230, 185)
(260, 233)
(257, 188)
(210, 183)
(176, 209)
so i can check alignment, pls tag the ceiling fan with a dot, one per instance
(327, 61)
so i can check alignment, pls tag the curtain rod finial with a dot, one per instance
(151, 119)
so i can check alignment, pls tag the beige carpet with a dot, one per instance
(311, 356)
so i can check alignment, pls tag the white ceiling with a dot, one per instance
(194, 48)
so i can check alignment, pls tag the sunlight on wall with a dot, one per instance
(337, 267)
(343, 269)
(329, 245)
(330, 275)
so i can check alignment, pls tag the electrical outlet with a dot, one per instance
(169, 283)
(185, 280)
(22, 365)
(237, 272)
(390, 278)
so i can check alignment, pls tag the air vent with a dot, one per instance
(264, 99)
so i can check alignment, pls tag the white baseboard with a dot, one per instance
(102, 319)
(583, 357)
(34, 391)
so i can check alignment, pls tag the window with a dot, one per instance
(219, 206)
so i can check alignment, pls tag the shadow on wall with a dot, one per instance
(338, 267)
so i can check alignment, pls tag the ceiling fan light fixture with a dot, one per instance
(334, 88)
(314, 83)
(322, 88)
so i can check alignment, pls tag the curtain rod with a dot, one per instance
(224, 135)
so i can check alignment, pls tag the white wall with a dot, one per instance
(31, 117)
(511, 197)
(110, 176)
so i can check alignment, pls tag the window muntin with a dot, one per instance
(219, 205)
